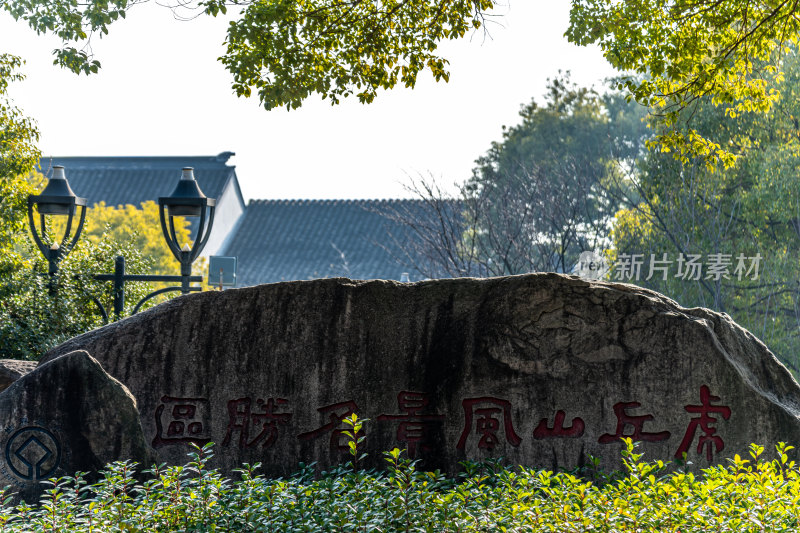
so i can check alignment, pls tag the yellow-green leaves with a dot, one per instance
(18, 155)
(138, 227)
(694, 205)
(677, 51)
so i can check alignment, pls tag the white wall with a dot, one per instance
(226, 215)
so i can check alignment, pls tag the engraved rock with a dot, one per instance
(12, 369)
(67, 415)
(540, 369)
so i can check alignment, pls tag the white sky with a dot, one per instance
(161, 91)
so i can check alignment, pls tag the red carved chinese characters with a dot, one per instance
(336, 413)
(542, 431)
(181, 421)
(414, 426)
(704, 421)
(485, 409)
(624, 419)
(242, 419)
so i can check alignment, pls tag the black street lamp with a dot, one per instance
(56, 199)
(186, 200)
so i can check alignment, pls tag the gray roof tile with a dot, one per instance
(282, 240)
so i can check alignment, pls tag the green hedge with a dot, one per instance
(747, 495)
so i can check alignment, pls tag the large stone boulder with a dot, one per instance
(540, 369)
(68, 415)
(12, 369)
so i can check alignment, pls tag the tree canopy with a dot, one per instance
(751, 212)
(544, 190)
(285, 50)
(539, 197)
(678, 51)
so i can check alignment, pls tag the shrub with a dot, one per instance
(751, 495)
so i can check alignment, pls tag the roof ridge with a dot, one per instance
(216, 157)
(292, 201)
(178, 161)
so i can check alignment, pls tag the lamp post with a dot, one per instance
(186, 200)
(57, 199)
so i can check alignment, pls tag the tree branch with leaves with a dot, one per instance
(679, 51)
(286, 50)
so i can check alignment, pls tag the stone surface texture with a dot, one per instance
(12, 369)
(541, 369)
(67, 415)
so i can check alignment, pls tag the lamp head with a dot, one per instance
(57, 198)
(187, 200)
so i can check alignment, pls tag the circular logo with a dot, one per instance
(591, 266)
(33, 453)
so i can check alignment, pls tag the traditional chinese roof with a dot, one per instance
(282, 240)
(273, 240)
(133, 180)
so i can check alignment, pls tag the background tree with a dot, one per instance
(139, 226)
(545, 186)
(18, 155)
(539, 197)
(752, 210)
(32, 319)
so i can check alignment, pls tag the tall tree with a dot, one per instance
(539, 197)
(545, 188)
(739, 228)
